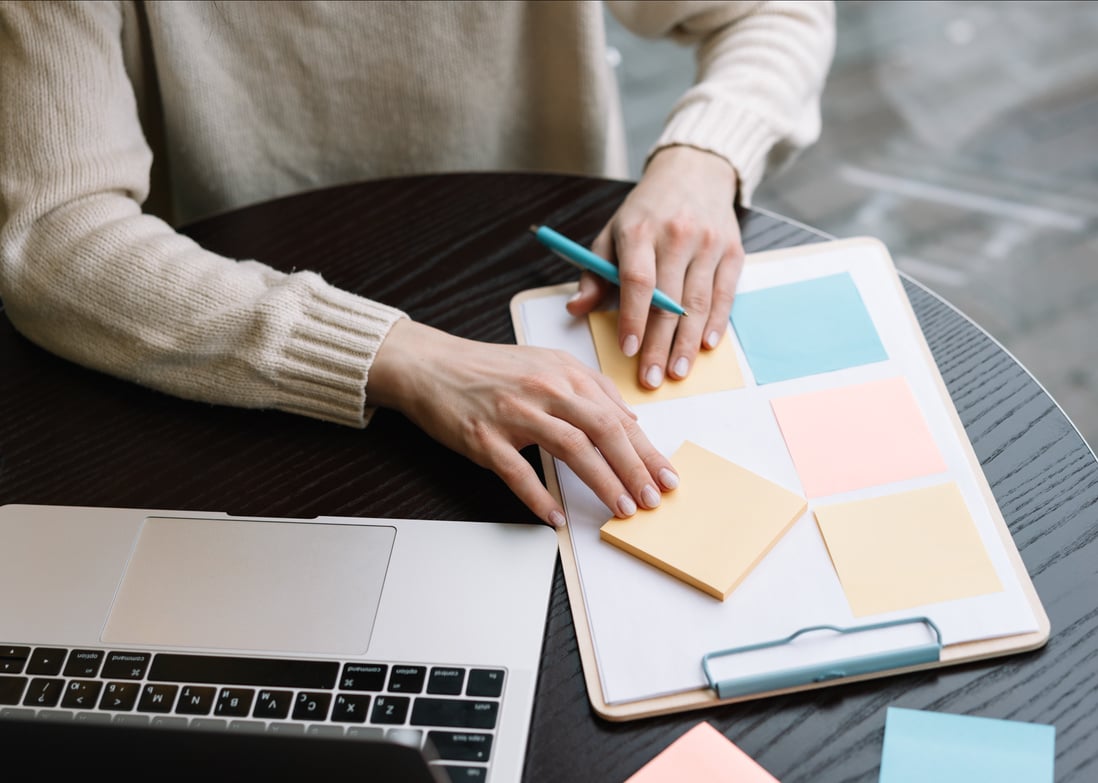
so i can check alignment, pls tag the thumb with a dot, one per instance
(592, 288)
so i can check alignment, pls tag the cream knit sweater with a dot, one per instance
(121, 120)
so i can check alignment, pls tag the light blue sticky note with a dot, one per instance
(922, 746)
(805, 328)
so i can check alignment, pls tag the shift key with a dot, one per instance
(455, 713)
(460, 746)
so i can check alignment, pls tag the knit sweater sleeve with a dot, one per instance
(761, 68)
(85, 274)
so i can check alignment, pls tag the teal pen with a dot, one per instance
(577, 254)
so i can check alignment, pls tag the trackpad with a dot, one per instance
(230, 584)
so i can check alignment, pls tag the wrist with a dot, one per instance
(685, 163)
(387, 384)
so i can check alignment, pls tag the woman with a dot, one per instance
(122, 120)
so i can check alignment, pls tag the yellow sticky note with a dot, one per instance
(907, 549)
(713, 529)
(713, 370)
(702, 755)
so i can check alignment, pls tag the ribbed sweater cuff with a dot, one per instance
(738, 135)
(328, 355)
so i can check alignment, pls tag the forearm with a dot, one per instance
(86, 275)
(761, 71)
(134, 299)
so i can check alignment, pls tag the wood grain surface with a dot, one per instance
(451, 250)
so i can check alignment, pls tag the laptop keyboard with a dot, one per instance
(454, 708)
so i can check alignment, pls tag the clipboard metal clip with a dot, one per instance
(889, 660)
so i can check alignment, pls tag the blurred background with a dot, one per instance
(965, 136)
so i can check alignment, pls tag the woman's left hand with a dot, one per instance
(677, 231)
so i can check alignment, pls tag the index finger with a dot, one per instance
(636, 253)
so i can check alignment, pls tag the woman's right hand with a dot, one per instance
(489, 401)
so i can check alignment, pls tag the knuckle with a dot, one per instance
(604, 426)
(572, 441)
(480, 436)
(697, 301)
(680, 228)
(510, 467)
(635, 276)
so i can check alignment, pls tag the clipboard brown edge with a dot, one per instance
(704, 697)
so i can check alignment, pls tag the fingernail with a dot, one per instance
(575, 296)
(626, 506)
(649, 496)
(669, 478)
(682, 367)
(712, 339)
(631, 345)
(654, 376)
(556, 519)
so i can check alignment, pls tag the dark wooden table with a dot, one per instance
(452, 250)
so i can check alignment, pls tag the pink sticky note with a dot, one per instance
(702, 755)
(857, 436)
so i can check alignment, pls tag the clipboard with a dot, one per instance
(811, 653)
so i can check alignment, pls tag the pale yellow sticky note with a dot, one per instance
(907, 549)
(713, 529)
(713, 370)
(702, 755)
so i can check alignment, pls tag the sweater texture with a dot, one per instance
(123, 120)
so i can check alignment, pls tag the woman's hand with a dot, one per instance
(677, 231)
(488, 401)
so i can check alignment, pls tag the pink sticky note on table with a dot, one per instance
(702, 755)
(857, 436)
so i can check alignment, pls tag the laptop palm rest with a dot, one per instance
(263, 586)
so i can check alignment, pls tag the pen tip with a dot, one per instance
(534, 229)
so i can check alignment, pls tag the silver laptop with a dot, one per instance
(418, 632)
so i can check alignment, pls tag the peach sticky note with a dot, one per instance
(858, 436)
(907, 549)
(702, 755)
(713, 370)
(713, 529)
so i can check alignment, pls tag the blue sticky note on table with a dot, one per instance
(805, 328)
(924, 746)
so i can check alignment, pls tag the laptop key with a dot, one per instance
(461, 745)
(485, 682)
(390, 710)
(46, 660)
(81, 694)
(157, 697)
(351, 708)
(84, 663)
(196, 700)
(446, 681)
(365, 732)
(231, 670)
(286, 728)
(478, 714)
(363, 677)
(209, 724)
(407, 679)
(312, 705)
(324, 730)
(234, 702)
(126, 665)
(273, 705)
(119, 696)
(43, 692)
(458, 774)
(11, 689)
(413, 738)
(13, 659)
